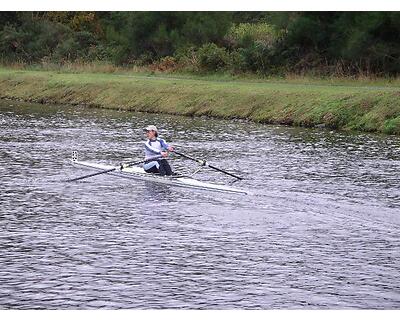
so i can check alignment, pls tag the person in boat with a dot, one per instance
(153, 147)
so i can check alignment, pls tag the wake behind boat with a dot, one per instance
(137, 173)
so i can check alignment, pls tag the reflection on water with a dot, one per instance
(321, 230)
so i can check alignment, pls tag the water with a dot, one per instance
(320, 231)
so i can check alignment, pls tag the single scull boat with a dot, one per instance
(137, 173)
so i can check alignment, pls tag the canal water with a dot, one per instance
(320, 231)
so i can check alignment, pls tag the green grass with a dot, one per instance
(346, 105)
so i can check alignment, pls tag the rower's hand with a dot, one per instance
(164, 154)
(170, 148)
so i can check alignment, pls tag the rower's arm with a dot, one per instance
(151, 149)
(164, 145)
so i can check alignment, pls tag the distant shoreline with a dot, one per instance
(367, 108)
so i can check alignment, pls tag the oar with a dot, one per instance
(122, 166)
(204, 163)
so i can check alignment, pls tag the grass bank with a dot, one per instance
(346, 106)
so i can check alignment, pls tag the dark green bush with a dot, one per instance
(319, 43)
(212, 58)
(12, 41)
(258, 57)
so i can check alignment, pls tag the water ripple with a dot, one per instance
(320, 231)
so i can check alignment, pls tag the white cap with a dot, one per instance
(151, 128)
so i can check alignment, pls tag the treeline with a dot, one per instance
(265, 43)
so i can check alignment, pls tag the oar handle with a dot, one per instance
(132, 163)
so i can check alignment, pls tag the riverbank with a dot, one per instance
(371, 108)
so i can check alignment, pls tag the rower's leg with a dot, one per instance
(162, 170)
(152, 170)
(151, 167)
(165, 168)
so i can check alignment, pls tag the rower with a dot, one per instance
(156, 146)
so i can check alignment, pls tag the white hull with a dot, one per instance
(137, 173)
